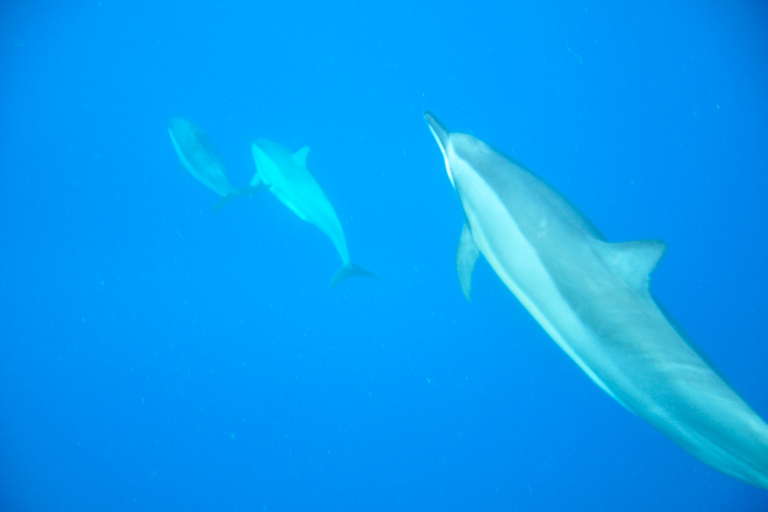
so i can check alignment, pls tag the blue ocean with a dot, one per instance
(156, 355)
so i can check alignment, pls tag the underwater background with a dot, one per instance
(157, 356)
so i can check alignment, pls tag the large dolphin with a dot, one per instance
(198, 155)
(592, 297)
(287, 177)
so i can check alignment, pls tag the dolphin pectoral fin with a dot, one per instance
(245, 191)
(350, 270)
(633, 261)
(466, 256)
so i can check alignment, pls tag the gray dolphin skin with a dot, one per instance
(288, 178)
(198, 155)
(592, 297)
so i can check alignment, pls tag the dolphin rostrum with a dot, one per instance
(592, 297)
(287, 177)
(199, 156)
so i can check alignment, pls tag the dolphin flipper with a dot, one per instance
(466, 256)
(350, 270)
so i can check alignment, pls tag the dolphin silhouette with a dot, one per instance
(198, 155)
(288, 178)
(592, 297)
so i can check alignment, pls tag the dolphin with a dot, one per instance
(198, 155)
(287, 177)
(592, 297)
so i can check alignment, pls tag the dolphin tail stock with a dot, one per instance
(350, 270)
(245, 191)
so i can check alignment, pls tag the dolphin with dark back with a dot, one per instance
(592, 297)
(288, 178)
(198, 155)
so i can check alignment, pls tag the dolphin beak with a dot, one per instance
(441, 133)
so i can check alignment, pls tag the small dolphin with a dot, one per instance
(199, 156)
(288, 178)
(592, 297)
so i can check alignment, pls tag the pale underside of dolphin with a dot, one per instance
(288, 178)
(198, 155)
(592, 297)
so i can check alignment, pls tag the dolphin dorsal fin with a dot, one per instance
(300, 157)
(633, 261)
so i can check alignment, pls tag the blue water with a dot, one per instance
(156, 356)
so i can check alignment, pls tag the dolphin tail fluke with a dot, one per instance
(350, 270)
(245, 191)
